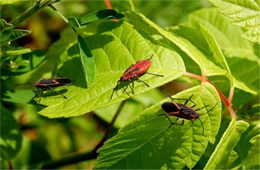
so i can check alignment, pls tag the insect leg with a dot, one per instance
(143, 82)
(159, 75)
(130, 81)
(202, 108)
(202, 126)
(58, 93)
(38, 93)
(126, 91)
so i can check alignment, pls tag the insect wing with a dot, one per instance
(63, 81)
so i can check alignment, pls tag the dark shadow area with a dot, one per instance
(48, 93)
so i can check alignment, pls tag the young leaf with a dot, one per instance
(221, 36)
(228, 36)
(113, 51)
(207, 67)
(149, 143)
(227, 144)
(11, 138)
(245, 14)
(219, 57)
(7, 33)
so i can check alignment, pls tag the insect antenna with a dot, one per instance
(202, 126)
(150, 57)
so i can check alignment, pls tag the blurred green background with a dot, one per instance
(44, 139)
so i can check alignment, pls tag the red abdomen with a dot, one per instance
(136, 70)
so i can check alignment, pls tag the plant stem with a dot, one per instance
(226, 101)
(87, 155)
(110, 126)
(37, 6)
(58, 12)
(70, 160)
(108, 4)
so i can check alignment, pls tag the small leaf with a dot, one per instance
(18, 51)
(11, 138)
(8, 33)
(245, 14)
(19, 96)
(227, 143)
(98, 15)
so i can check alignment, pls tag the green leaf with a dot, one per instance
(228, 36)
(245, 14)
(227, 143)
(98, 15)
(11, 138)
(252, 160)
(87, 62)
(221, 40)
(206, 66)
(7, 33)
(2, 2)
(148, 143)
(131, 109)
(219, 57)
(19, 96)
(113, 51)
(18, 51)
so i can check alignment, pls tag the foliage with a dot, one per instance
(216, 46)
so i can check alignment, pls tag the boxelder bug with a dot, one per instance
(133, 73)
(182, 111)
(50, 84)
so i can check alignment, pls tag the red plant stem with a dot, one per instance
(108, 4)
(231, 94)
(226, 101)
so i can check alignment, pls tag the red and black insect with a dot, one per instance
(133, 73)
(50, 84)
(182, 111)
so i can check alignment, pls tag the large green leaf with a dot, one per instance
(147, 142)
(227, 35)
(245, 13)
(11, 138)
(115, 46)
(178, 43)
(225, 147)
(223, 41)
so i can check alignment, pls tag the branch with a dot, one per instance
(70, 160)
(37, 6)
(110, 126)
(87, 155)
(226, 101)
